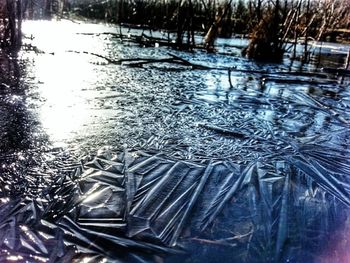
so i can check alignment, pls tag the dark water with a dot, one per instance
(111, 163)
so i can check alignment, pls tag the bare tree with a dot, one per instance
(211, 35)
(333, 13)
(266, 36)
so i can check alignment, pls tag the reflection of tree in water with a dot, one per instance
(20, 138)
(16, 127)
(14, 118)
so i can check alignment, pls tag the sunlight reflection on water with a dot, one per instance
(62, 77)
(60, 36)
(64, 110)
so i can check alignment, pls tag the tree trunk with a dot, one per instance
(211, 35)
(48, 9)
(266, 43)
(11, 12)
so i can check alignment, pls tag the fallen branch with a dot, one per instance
(125, 60)
(109, 60)
(143, 39)
(148, 61)
(223, 131)
(296, 81)
(102, 33)
(265, 75)
(187, 63)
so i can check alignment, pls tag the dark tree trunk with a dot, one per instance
(11, 12)
(258, 10)
(48, 9)
(266, 43)
(185, 25)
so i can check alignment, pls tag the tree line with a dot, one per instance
(242, 16)
(270, 24)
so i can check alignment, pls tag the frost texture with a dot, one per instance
(121, 205)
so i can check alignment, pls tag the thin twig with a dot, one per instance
(223, 241)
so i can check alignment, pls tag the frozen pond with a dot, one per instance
(101, 162)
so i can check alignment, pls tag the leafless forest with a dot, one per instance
(269, 24)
